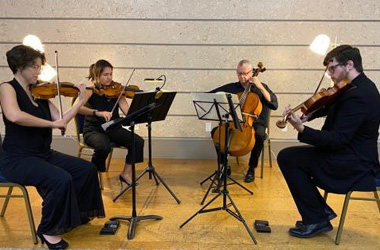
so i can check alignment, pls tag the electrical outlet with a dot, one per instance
(208, 126)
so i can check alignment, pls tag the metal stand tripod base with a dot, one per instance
(216, 183)
(133, 220)
(152, 172)
(225, 207)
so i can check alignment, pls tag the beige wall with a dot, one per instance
(196, 44)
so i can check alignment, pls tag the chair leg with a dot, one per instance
(325, 195)
(270, 153)
(100, 174)
(262, 164)
(342, 218)
(237, 160)
(109, 160)
(79, 152)
(6, 201)
(377, 199)
(30, 215)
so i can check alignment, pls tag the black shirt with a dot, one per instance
(236, 87)
(100, 103)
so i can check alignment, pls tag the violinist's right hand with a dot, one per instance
(104, 114)
(60, 124)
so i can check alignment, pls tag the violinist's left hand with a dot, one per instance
(82, 91)
(294, 119)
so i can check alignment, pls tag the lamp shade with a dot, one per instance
(320, 44)
(47, 73)
(34, 42)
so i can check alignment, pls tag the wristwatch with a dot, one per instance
(94, 112)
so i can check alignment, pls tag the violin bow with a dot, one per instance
(320, 82)
(121, 93)
(58, 90)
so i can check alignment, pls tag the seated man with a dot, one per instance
(343, 155)
(269, 101)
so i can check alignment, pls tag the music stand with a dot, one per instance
(208, 107)
(208, 112)
(130, 120)
(163, 102)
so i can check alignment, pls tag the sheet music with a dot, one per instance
(206, 104)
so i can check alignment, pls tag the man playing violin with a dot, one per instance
(269, 101)
(340, 157)
(99, 109)
(68, 185)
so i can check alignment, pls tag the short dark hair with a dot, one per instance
(22, 56)
(97, 69)
(344, 53)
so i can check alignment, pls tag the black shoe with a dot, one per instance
(308, 231)
(228, 170)
(60, 245)
(329, 213)
(249, 177)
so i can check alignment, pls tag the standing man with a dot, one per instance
(269, 101)
(343, 155)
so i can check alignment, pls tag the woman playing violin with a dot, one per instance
(68, 185)
(100, 109)
(343, 155)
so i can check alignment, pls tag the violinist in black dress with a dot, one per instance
(68, 185)
(340, 157)
(100, 109)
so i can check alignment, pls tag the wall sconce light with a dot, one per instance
(320, 44)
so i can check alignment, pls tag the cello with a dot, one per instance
(243, 141)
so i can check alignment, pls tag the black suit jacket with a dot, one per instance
(349, 139)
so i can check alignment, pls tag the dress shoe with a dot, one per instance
(329, 213)
(121, 179)
(308, 231)
(60, 245)
(249, 177)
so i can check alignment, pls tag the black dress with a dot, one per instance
(68, 185)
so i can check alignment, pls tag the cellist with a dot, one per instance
(268, 99)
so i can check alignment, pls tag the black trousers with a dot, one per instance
(301, 167)
(68, 185)
(101, 142)
(256, 150)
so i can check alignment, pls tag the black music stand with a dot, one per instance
(130, 120)
(208, 107)
(219, 106)
(163, 101)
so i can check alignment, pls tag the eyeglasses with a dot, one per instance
(36, 67)
(331, 69)
(243, 74)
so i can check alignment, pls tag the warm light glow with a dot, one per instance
(320, 44)
(34, 42)
(47, 73)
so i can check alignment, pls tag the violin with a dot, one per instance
(47, 90)
(322, 98)
(115, 89)
(243, 141)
